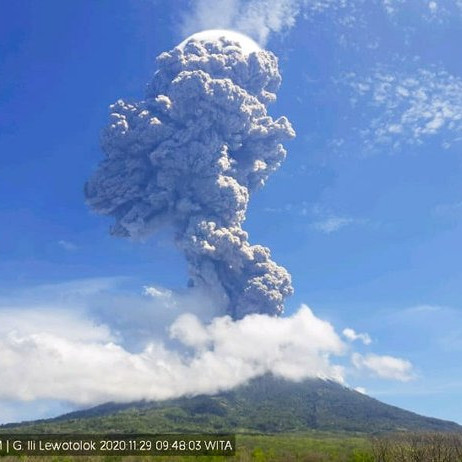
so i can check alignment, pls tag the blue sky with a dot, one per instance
(366, 212)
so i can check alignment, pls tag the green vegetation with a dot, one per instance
(418, 447)
(307, 447)
(311, 447)
(275, 420)
(265, 405)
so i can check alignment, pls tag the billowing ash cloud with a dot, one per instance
(189, 155)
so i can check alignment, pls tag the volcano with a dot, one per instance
(264, 405)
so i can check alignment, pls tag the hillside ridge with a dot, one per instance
(266, 404)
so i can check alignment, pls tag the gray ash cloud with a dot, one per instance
(188, 156)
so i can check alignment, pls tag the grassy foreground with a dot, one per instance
(309, 447)
(305, 447)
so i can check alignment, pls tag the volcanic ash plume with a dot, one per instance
(189, 156)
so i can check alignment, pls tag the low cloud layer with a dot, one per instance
(67, 351)
(50, 353)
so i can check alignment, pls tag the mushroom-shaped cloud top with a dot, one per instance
(246, 44)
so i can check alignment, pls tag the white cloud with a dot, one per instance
(351, 335)
(133, 319)
(157, 292)
(301, 209)
(78, 361)
(256, 18)
(433, 6)
(327, 221)
(261, 18)
(67, 245)
(391, 6)
(331, 224)
(40, 320)
(385, 367)
(323, 219)
(361, 390)
(419, 309)
(409, 107)
(88, 346)
(427, 10)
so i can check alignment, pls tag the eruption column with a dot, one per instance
(189, 156)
